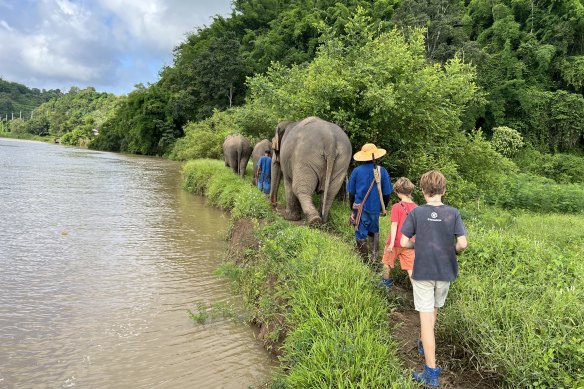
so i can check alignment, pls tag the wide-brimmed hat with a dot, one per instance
(368, 152)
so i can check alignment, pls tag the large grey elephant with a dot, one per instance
(236, 153)
(258, 151)
(312, 155)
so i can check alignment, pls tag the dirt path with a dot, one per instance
(406, 325)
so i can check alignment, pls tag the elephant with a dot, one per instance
(259, 150)
(236, 152)
(312, 155)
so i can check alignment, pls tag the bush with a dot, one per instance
(562, 168)
(204, 139)
(527, 191)
(507, 141)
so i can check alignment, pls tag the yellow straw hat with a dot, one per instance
(368, 152)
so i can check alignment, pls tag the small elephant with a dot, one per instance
(236, 152)
(258, 151)
(312, 155)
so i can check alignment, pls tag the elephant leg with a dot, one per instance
(292, 205)
(243, 165)
(304, 188)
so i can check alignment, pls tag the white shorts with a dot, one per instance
(430, 294)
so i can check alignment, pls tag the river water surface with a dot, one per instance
(101, 256)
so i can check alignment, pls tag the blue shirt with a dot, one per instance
(359, 183)
(265, 164)
(436, 228)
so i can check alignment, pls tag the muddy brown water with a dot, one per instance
(101, 256)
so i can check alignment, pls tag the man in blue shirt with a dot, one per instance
(371, 195)
(264, 171)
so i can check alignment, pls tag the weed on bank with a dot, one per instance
(311, 291)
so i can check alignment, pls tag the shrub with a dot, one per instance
(562, 168)
(507, 141)
(204, 139)
(527, 191)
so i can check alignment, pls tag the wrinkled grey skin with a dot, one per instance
(313, 155)
(258, 151)
(236, 153)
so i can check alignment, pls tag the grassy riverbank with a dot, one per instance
(25, 136)
(516, 310)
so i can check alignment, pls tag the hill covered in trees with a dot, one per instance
(19, 100)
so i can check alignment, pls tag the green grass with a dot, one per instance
(25, 136)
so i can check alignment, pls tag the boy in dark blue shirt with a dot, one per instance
(440, 235)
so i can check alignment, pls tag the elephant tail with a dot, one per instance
(330, 161)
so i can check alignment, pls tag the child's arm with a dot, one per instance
(461, 243)
(406, 242)
(392, 234)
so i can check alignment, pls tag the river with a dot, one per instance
(101, 257)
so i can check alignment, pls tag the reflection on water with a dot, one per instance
(100, 256)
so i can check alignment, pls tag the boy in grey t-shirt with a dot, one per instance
(440, 235)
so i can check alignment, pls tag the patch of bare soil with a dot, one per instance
(456, 374)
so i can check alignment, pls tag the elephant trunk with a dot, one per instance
(275, 174)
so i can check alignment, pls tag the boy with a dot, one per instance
(437, 227)
(403, 189)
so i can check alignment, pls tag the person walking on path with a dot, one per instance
(263, 172)
(393, 249)
(369, 188)
(440, 235)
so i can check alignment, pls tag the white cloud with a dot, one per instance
(109, 44)
(5, 25)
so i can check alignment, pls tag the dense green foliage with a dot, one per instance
(19, 100)
(74, 116)
(528, 59)
(336, 336)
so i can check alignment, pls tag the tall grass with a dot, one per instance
(518, 306)
(311, 290)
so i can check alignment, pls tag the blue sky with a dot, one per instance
(111, 45)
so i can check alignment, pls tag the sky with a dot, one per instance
(111, 45)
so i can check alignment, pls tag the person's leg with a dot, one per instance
(361, 239)
(427, 321)
(424, 301)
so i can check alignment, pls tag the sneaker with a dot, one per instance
(420, 347)
(387, 282)
(428, 377)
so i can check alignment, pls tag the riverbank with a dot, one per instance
(26, 136)
(514, 316)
